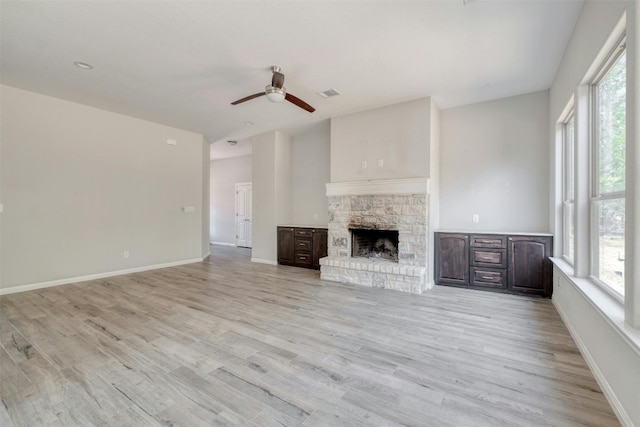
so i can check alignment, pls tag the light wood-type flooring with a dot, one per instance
(230, 342)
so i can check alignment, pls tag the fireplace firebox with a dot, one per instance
(374, 244)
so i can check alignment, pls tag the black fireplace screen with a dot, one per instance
(373, 244)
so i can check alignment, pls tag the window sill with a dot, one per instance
(611, 309)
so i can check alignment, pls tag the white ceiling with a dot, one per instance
(181, 63)
(223, 150)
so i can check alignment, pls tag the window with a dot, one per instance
(608, 172)
(568, 178)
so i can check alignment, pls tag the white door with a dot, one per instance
(243, 214)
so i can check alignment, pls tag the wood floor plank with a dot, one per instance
(227, 342)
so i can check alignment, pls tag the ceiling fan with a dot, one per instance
(276, 92)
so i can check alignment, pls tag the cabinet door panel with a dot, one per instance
(285, 246)
(452, 259)
(529, 265)
(319, 246)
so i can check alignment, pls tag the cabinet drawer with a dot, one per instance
(489, 258)
(303, 245)
(493, 278)
(303, 259)
(483, 241)
(303, 232)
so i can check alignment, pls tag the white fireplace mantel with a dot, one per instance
(379, 187)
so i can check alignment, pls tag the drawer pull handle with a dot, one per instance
(303, 257)
(488, 258)
(487, 241)
(486, 277)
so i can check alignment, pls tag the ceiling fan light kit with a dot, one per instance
(276, 92)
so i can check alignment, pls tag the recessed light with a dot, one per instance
(232, 142)
(83, 65)
(248, 123)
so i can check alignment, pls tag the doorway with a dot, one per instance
(243, 214)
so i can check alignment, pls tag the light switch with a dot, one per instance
(172, 142)
(188, 209)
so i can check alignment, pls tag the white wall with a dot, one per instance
(434, 184)
(283, 173)
(614, 362)
(397, 134)
(271, 192)
(81, 185)
(310, 163)
(264, 215)
(206, 192)
(597, 322)
(494, 161)
(225, 174)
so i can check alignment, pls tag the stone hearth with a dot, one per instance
(399, 205)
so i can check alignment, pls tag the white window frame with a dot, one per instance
(596, 195)
(568, 179)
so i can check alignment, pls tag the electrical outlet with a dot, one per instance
(380, 163)
(364, 164)
(476, 218)
(125, 255)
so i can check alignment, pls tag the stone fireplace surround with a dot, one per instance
(398, 204)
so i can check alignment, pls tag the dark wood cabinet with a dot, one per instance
(319, 249)
(505, 263)
(488, 261)
(285, 246)
(452, 259)
(302, 246)
(529, 265)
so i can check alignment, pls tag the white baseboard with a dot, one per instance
(622, 415)
(41, 285)
(223, 244)
(264, 261)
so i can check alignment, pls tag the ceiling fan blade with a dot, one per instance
(247, 98)
(277, 80)
(299, 102)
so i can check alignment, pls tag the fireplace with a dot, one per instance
(378, 234)
(374, 244)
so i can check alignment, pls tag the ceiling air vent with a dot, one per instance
(329, 93)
